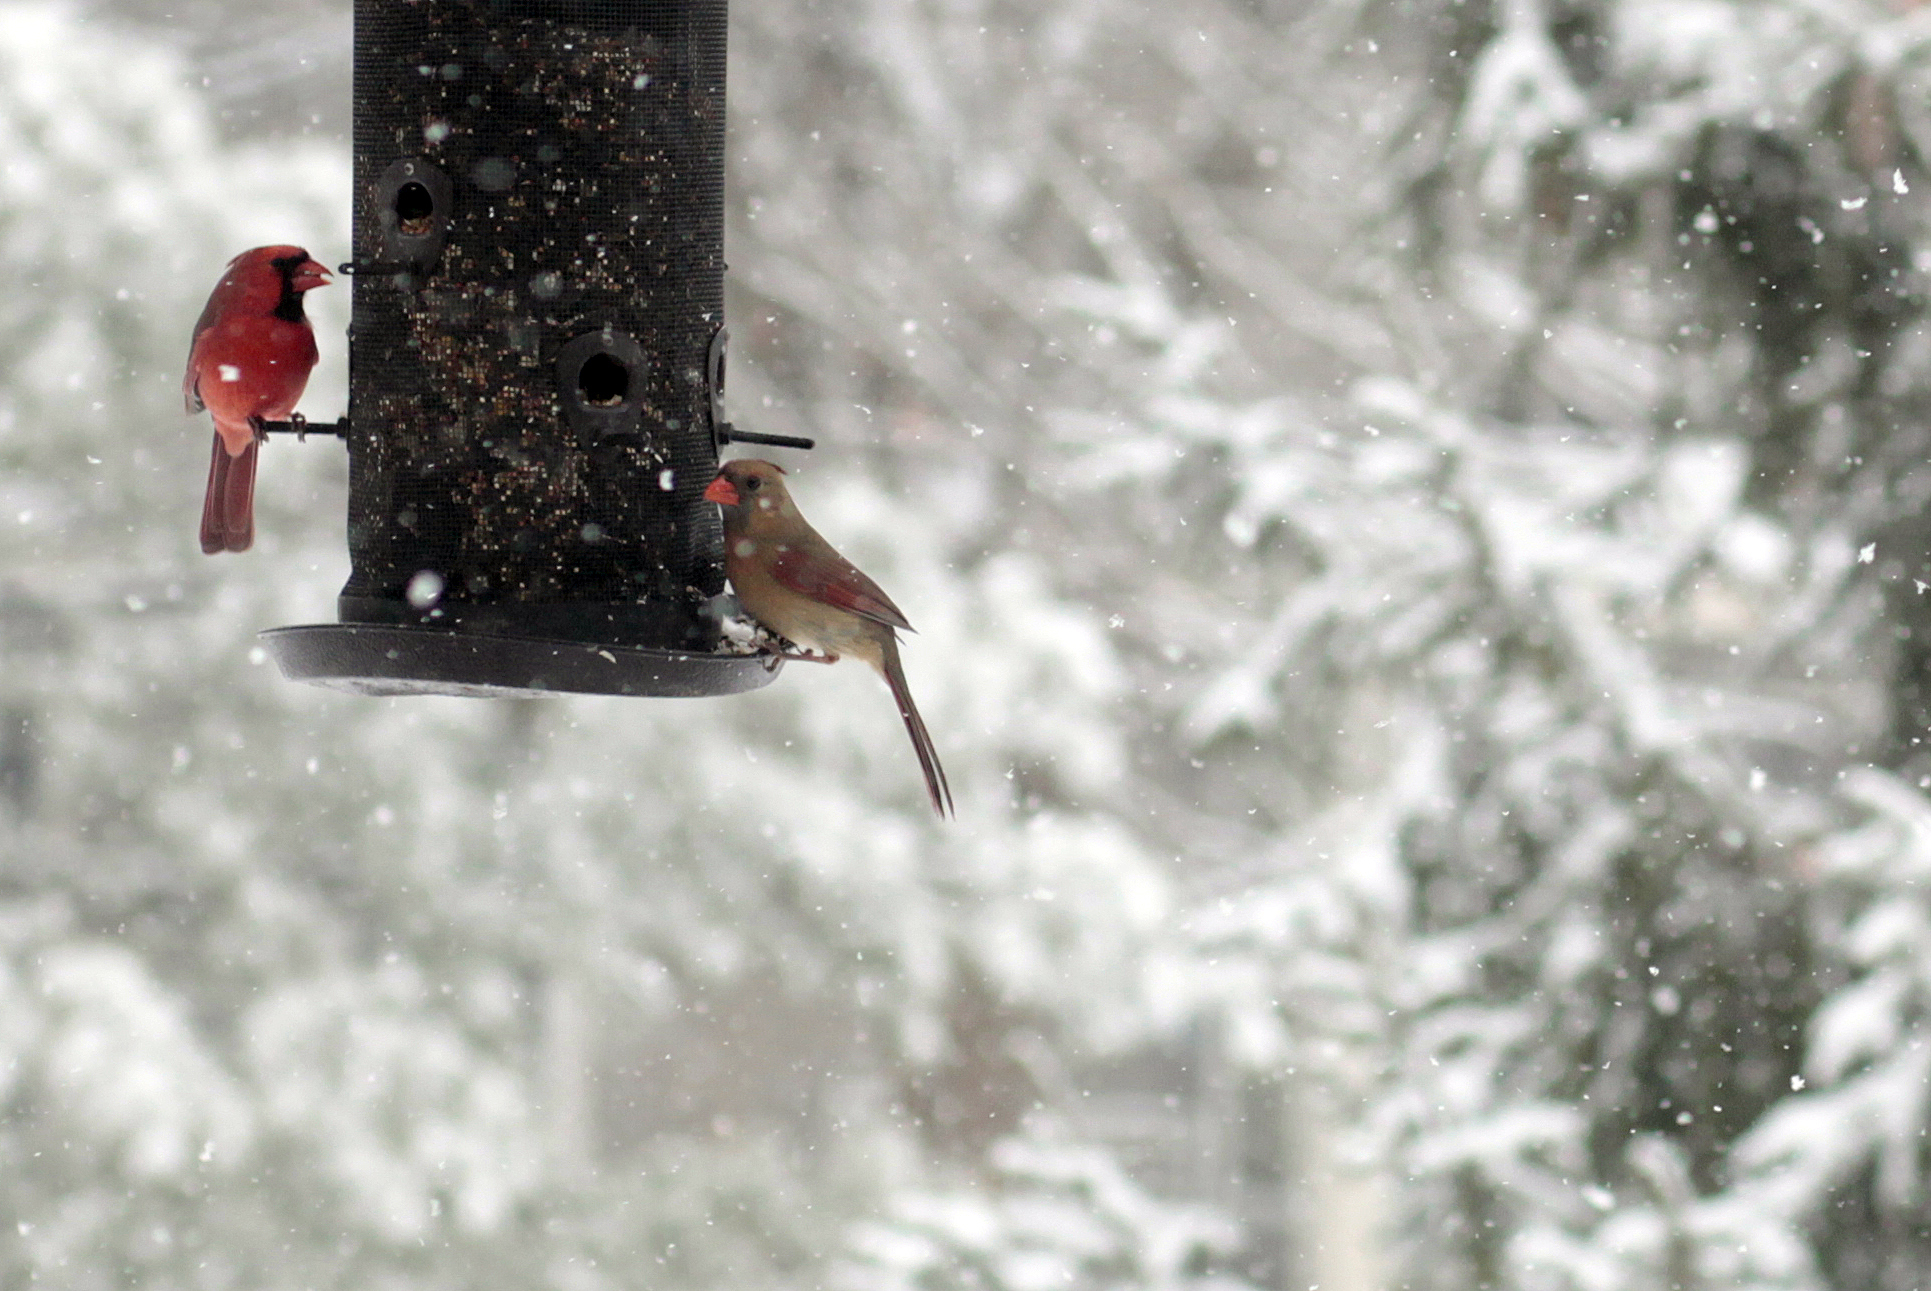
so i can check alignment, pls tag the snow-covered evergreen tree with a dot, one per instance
(1624, 549)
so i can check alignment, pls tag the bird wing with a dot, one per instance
(191, 380)
(815, 570)
(220, 301)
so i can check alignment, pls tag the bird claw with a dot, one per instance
(773, 656)
(260, 426)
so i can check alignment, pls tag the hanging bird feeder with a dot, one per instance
(536, 354)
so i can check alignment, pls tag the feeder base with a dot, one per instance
(373, 659)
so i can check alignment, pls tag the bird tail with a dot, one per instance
(935, 784)
(228, 512)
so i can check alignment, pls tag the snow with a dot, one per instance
(1430, 666)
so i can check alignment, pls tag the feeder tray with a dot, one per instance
(370, 660)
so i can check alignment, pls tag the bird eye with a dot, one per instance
(751, 485)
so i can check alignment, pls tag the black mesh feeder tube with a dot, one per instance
(536, 353)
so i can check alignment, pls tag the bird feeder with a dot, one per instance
(536, 354)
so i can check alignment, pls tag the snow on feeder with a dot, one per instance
(536, 354)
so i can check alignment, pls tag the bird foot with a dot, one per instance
(773, 657)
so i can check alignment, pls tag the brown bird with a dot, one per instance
(789, 579)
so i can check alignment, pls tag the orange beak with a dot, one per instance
(307, 275)
(722, 492)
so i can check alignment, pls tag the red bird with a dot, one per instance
(791, 580)
(253, 351)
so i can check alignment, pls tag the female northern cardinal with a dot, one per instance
(792, 581)
(253, 351)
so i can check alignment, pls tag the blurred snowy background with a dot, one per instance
(1415, 514)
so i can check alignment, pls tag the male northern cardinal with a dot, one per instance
(791, 580)
(253, 351)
